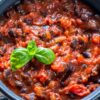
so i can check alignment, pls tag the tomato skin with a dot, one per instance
(59, 65)
(79, 90)
(57, 68)
(42, 76)
(38, 90)
(1, 66)
(65, 22)
(96, 38)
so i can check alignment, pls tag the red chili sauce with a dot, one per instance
(71, 29)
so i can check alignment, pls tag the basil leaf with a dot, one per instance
(22, 56)
(32, 47)
(19, 58)
(45, 55)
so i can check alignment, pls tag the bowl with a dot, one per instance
(95, 95)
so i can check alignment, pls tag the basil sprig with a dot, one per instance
(19, 58)
(22, 56)
(32, 48)
(45, 55)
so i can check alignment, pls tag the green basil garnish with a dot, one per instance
(19, 58)
(45, 55)
(32, 48)
(22, 56)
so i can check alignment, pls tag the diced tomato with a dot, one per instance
(65, 22)
(38, 90)
(79, 90)
(48, 35)
(42, 76)
(80, 58)
(57, 68)
(96, 38)
(1, 67)
(23, 44)
(79, 21)
(59, 65)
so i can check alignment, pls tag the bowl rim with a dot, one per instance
(11, 95)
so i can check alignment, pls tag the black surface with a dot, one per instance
(11, 95)
(3, 98)
(94, 4)
(5, 4)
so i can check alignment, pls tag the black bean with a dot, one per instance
(28, 21)
(6, 73)
(22, 12)
(85, 14)
(59, 44)
(46, 83)
(86, 54)
(6, 39)
(95, 78)
(62, 84)
(29, 82)
(98, 81)
(27, 67)
(19, 10)
(11, 34)
(81, 42)
(19, 84)
(23, 90)
(1, 36)
(2, 51)
(25, 75)
(43, 13)
(89, 36)
(78, 44)
(84, 66)
(71, 95)
(69, 70)
(82, 46)
(74, 44)
(92, 79)
(84, 17)
(76, 8)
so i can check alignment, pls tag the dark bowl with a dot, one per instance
(10, 94)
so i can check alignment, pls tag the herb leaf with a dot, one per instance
(22, 56)
(19, 58)
(45, 55)
(32, 48)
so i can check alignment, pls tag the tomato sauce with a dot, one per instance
(68, 27)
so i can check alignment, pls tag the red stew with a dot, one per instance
(68, 27)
